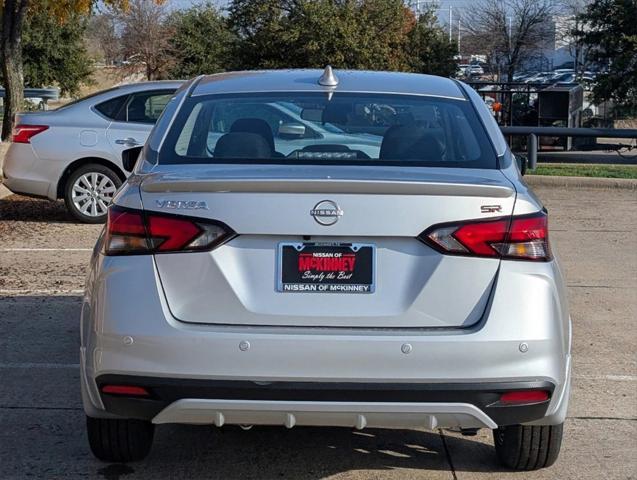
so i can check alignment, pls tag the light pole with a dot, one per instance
(510, 28)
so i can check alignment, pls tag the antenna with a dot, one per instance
(328, 79)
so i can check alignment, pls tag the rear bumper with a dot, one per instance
(131, 332)
(25, 173)
(322, 403)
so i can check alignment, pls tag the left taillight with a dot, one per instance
(134, 232)
(523, 237)
(24, 133)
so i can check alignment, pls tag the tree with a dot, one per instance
(13, 14)
(55, 53)
(609, 28)
(512, 31)
(568, 26)
(201, 41)
(146, 36)
(103, 37)
(364, 34)
(430, 49)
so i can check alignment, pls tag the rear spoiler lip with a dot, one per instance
(326, 186)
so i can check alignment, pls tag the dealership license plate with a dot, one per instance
(326, 267)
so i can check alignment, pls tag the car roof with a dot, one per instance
(306, 80)
(141, 86)
(116, 91)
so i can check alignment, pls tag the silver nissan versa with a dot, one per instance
(399, 276)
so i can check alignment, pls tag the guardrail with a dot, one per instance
(532, 134)
(43, 93)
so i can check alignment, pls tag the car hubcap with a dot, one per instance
(92, 192)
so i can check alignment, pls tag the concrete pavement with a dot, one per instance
(43, 256)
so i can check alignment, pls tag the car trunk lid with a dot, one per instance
(268, 207)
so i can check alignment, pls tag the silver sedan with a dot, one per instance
(75, 152)
(407, 285)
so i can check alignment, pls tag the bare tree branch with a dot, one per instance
(510, 32)
(146, 36)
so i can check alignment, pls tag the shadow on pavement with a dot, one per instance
(25, 209)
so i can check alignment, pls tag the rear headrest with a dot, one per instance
(412, 142)
(242, 145)
(137, 109)
(254, 125)
(337, 113)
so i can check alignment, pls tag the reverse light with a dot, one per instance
(522, 237)
(23, 133)
(131, 232)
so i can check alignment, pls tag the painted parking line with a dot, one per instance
(44, 291)
(9, 366)
(46, 250)
(614, 378)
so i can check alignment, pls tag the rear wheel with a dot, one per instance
(115, 440)
(528, 447)
(88, 192)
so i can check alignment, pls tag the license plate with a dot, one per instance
(326, 267)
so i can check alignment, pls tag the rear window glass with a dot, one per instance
(111, 107)
(146, 107)
(342, 128)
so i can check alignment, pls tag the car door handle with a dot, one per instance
(129, 142)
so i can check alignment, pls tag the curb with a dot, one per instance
(580, 182)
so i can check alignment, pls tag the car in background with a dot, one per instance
(474, 70)
(240, 283)
(75, 151)
(461, 72)
(539, 77)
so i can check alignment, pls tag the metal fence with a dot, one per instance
(533, 134)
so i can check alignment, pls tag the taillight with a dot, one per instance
(523, 237)
(130, 232)
(23, 133)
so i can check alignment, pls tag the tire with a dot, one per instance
(528, 447)
(84, 196)
(120, 441)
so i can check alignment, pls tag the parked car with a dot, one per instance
(539, 77)
(462, 72)
(327, 286)
(474, 70)
(74, 152)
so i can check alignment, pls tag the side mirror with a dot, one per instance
(291, 130)
(129, 158)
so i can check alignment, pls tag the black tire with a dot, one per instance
(528, 447)
(115, 440)
(68, 190)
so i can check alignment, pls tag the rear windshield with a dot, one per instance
(317, 128)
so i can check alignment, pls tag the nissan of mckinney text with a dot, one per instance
(397, 275)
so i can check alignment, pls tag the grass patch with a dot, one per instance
(580, 170)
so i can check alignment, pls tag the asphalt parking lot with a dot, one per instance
(43, 256)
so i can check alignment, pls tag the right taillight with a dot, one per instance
(23, 133)
(134, 232)
(522, 237)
